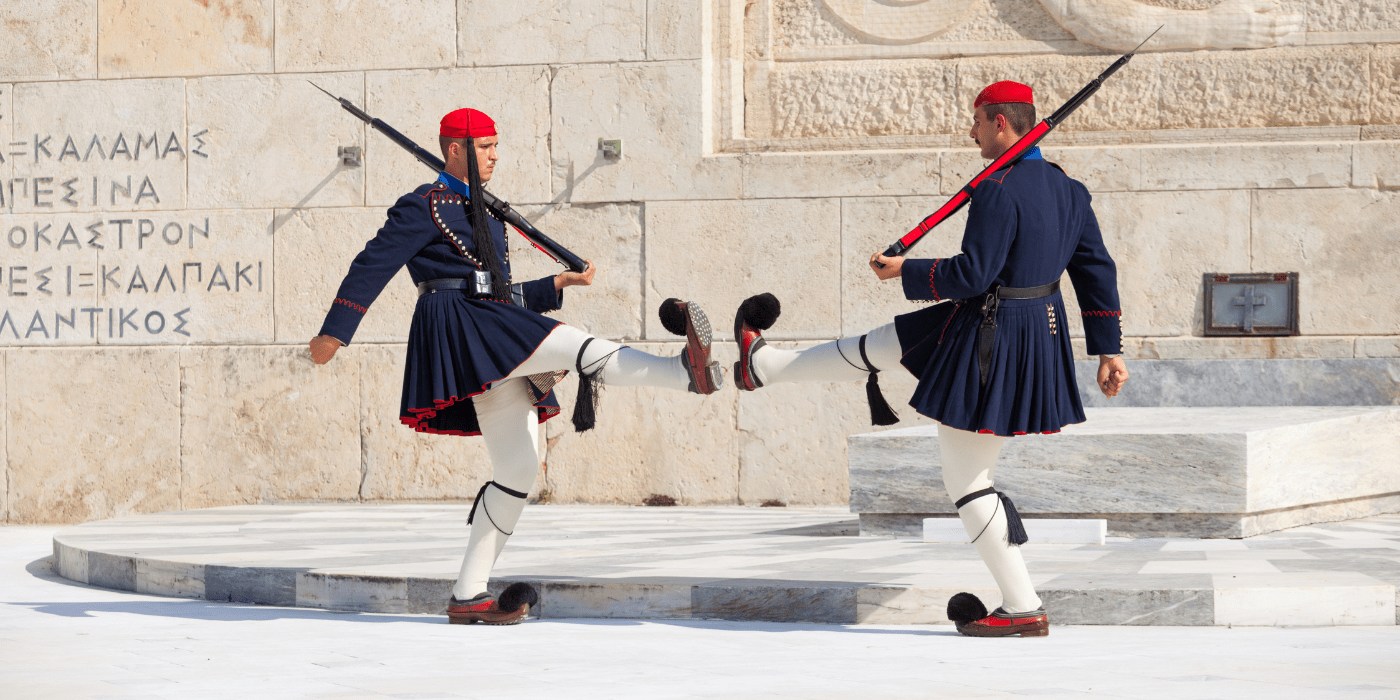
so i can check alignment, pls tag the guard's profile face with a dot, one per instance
(984, 132)
(486, 155)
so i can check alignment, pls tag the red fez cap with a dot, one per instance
(1003, 92)
(467, 123)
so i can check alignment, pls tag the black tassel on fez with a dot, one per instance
(586, 403)
(965, 607)
(1015, 531)
(516, 595)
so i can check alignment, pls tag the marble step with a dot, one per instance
(728, 563)
(1039, 530)
(1175, 472)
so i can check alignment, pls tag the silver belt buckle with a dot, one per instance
(480, 283)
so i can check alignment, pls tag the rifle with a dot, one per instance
(497, 206)
(1010, 157)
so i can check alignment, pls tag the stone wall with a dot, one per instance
(176, 218)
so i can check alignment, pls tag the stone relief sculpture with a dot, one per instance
(1110, 24)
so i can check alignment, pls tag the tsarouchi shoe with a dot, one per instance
(510, 609)
(757, 314)
(971, 617)
(688, 319)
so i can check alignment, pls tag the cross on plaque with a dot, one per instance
(1249, 301)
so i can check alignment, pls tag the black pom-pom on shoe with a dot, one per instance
(672, 317)
(965, 607)
(516, 595)
(760, 311)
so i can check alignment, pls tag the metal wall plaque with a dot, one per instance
(1251, 304)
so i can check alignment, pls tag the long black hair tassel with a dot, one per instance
(1015, 530)
(586, 403)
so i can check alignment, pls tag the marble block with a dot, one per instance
(1203, 472)
(1039, 530)
(1369, 381)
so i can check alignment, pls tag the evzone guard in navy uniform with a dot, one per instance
(994, 362)
(482, 360)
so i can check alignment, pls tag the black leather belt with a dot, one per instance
(474, 288)
(987, 329)
(1043, 290)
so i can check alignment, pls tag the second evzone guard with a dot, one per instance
(482, 360)
(996, 361)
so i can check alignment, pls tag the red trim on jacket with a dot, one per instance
(351, 304)
(1106, 314)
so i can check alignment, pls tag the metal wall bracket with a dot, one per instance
(350, 155)
(611, 148)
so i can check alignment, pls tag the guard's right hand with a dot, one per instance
(323, 348)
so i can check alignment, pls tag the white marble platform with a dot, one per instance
(746, 564)
(1178, 472)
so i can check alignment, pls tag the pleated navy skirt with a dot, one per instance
(458, 346)
(1030, 388)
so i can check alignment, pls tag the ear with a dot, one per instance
(1002, 124)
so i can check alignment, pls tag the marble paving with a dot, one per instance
(784, 565)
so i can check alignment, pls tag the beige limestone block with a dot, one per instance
(1127, 101)
(111, 145)
(869, 226)
(174, 37)
(551, 31)
(1293, 86)
(674, 30)
(272, 141)
(263, 424)
(313, 35)
(7, 103)
(4, 453)
(1261, 166)
(414, 102)
(1376, 164)
(314, 248)
(56, 39)
(1331, 238)
(1162, 244)
(1352, 15)
(1385, 86)
(1378, 346)
(125, 456)
(400, 463)
(657, 109)
(779, 175)
(49, 273)
(794, 435)
(1282, 348)
(720, 253)
(1100, 169)
(647, 441)
(864, 98)
(196, 277)
(611, 236)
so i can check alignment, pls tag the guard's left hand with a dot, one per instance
(1113, 374)
(892, 266)
(570, 278)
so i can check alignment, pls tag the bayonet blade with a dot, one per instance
(1144, 41)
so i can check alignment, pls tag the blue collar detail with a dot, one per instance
(1033, 154)
(454, 184)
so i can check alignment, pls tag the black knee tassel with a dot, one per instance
(880, 411)
(1015, 531)
(586, 402)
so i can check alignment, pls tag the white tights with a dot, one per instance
(968, 458)
(968, 461)
(510, 425)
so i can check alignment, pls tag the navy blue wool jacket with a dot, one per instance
(412, 237)
(1026, 226)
